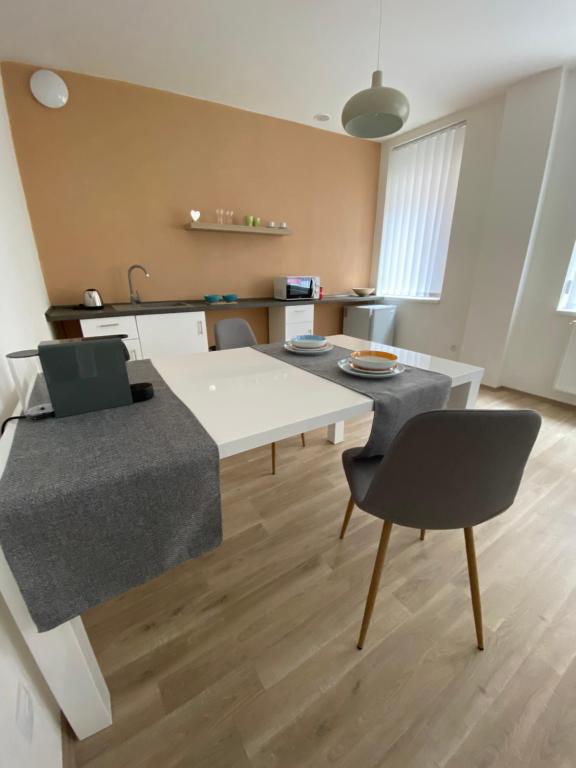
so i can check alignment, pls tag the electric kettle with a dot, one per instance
(92, 299)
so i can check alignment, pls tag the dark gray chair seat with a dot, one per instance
(444, 470)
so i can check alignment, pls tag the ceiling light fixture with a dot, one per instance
(377, 111)
(322, 117)
(49, 89)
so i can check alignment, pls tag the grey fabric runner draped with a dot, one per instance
(396, 399)
(94, 504)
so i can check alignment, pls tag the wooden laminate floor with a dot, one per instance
(247, 657)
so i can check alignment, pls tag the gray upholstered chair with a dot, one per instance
(444, 470)
(234, 333)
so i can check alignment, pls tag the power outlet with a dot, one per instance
(25, 712)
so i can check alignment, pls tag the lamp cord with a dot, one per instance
(381, 3)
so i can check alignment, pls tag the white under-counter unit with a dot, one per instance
(169, 333)
(110, 326)
(373, 322)
(173, 333)
(288, 320)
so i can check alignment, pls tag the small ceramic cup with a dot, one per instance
(249, 221)
(256, 221)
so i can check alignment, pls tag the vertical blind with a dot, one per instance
(567, 301)
(420, 197)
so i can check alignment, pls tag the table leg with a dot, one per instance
(66, 660)
(464, 396)
(335, 432)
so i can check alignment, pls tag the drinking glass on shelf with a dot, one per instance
(220, 215)
(229, 217)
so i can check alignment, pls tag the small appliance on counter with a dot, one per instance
(84, 375)
(293, 287)
(92, 299)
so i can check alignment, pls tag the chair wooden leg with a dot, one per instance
(422, 533)
(273, 447)
(303, 440)
(474, 585)
(375, 582)
(347, 517)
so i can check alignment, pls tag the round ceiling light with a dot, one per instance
(322, 117)
(375, 112)
(49, 89)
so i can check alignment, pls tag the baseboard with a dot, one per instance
(68, 745)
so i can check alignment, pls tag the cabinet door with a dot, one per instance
(298, 329)
(176, 333)
(133, 347)
(300, 313)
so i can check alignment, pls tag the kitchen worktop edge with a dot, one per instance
(60, 313)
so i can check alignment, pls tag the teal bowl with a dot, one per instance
(212, 298)
(230, 297)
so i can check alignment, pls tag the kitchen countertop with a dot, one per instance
(60, 313)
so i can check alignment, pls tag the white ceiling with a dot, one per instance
(294, 58)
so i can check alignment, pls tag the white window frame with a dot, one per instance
(424, 171)
(567, 300)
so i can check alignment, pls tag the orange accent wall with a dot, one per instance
(110, 180)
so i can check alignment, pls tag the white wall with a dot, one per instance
(438, 327)
(23, 298)
(494, 230)
(537, 325)
(19, 677)
(23, 301)
(527, 126)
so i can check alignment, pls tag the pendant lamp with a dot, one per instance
(377, 111)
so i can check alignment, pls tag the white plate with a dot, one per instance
(301, 351)
(345, 366)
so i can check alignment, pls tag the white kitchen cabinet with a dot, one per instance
(287, 321)
(111, 326)
(133, 347)
(174, 333)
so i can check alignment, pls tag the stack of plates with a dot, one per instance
(371, 364)
(308, 345)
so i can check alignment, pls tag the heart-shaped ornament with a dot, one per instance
(195, 215)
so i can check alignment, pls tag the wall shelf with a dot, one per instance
(239, 229)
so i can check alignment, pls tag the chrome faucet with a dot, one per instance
(134, 295)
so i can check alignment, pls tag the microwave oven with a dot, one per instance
(292, 287)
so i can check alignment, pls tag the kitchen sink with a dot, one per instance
(150, 305)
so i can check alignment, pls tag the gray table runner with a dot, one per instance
(396, 399)
(94, 504)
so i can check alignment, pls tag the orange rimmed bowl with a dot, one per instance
(371, 360)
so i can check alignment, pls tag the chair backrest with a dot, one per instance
(233, 333)
(453, 469)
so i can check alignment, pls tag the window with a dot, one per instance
(420, 197)
(567, 301)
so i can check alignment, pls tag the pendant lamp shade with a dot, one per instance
(375, 112)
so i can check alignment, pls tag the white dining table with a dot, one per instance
(244, 399)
